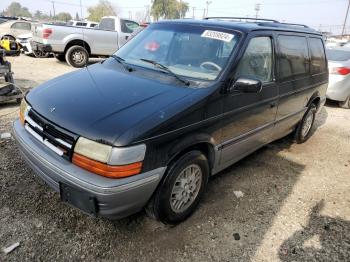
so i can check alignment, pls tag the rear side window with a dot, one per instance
(256, 62)
(318, 58)
(81, 24)
(107, 24)
(293, 57)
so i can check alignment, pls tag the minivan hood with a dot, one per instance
(102, 101)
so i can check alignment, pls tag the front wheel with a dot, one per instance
(77, 56)
(180, 192)
(303, 130)
(345, 104)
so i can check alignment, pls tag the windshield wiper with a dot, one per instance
(165, 68)
(122, 62)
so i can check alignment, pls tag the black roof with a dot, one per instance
(247, 24)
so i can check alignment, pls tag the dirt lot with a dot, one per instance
(296, 204)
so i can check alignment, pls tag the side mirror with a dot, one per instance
(246, 85)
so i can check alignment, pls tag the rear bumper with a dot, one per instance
(36, 46)
(338, 89)
(115, 198)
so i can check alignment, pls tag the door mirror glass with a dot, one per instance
(246, 85)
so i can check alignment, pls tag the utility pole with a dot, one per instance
(53, 7)
(346, 18)
(208, 3)
(193, 8)
(257, 9)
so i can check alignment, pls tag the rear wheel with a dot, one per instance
(180, 192)
(345, 104)
(303, 130)
(77, 56)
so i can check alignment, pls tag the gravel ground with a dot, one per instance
(295, 205)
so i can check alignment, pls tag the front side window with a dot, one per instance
(257, 61)
(318, 58)
(128, 26)
(190, 51)
(293, 57)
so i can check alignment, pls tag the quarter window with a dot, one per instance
(318, 58)
(257, 60)
(293, 57)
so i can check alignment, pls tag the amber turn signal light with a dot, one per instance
(105, 170)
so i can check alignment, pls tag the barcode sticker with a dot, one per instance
(218, 35)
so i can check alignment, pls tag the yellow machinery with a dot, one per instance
(8, 90)
(10, 45)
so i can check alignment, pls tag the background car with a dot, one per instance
(339, 76)
(15, 28)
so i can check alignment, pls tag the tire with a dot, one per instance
(77, 56)
(60, 57)
(161, 207)
(345, 104)
(303, 130)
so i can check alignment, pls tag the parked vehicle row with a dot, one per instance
(339, 76)
(177, 104)
(75, 45)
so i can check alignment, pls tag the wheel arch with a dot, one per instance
(200, 142)
(314, 99)
(78, 42)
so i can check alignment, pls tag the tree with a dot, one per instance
(169, 9)
(77, 16)
(15, 9)
(39, 15)
(103, 8)
(63, 16)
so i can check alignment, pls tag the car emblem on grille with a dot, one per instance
(52, 109)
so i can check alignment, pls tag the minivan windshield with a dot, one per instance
(189, 51)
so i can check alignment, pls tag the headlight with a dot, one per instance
(108, 161)
(23, 110)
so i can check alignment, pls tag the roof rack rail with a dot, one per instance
(301, 25)
(254, 20)
(241, 18)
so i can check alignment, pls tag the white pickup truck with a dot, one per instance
(76, 44)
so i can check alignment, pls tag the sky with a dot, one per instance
(323, 15)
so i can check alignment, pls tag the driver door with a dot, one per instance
(249, 117)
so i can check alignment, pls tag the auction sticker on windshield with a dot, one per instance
(217, 35)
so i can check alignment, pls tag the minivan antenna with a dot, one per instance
(82, 29)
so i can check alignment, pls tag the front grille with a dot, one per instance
(54, 137)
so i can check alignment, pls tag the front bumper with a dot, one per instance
(36, 46)
(115, 198)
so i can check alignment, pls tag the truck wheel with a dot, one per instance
(60, 57)
(303, 130)
(77, 56)
(180, 191)
(345, 104)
